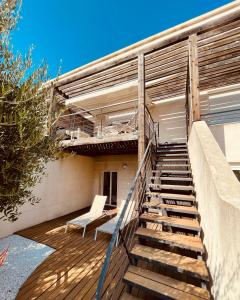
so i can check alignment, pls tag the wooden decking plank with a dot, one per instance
(114, 274)
(86, 284)
(58, 275)
(87, 288)
(196, 268)
(193, 243)
(66, 267)
(163, 285)
(63, 259)
(87, 270)
(191, 224)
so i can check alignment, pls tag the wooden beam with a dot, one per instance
(202, 23)
(141, 107)
(51, 109)
(194, 96)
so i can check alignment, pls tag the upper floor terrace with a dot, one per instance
(109, 102)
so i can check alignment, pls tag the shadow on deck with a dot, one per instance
(73, 270)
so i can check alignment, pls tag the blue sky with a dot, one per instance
(79, 31)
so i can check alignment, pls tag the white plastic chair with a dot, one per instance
(110, 226)
(95, 212)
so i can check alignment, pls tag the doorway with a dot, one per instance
(110, 188)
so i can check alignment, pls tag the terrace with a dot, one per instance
(135, 101)
(72, 271)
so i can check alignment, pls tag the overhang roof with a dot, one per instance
(113, 78)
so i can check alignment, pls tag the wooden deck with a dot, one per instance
(72, 271)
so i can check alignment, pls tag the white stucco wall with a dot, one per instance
(218, 197)
(66, 187)
(115, 163)
(172, 120)
(228, 138)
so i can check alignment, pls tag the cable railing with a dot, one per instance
(151, 127)
(76, 128)
(110, 285)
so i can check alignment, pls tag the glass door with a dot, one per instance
(110, 187)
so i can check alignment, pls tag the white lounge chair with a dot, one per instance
(110, 226)
(95, 212)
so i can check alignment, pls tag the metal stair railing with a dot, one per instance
(110, 284)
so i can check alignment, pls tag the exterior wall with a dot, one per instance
(66, 187)
(218, 196)
(172, 120)
(115, 163)
(228, 138)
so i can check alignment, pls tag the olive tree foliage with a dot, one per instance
(25, 143)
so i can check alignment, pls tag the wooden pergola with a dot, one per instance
(198, 55)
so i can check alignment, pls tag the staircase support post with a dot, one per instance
(141, 107)
(194, 95)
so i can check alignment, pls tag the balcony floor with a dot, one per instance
(73, 270)
(94, 146)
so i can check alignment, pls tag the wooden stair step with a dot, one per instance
(155, 204)
(190, 224)
(169, 171)
(167, 178)
(160, 155)
(172, 172)
(127, 296)
(159, 186)
(171, 147)
(190, 266)
(164, 286)
(173, 159)
(171, 144)
(180, 197)
(172, 165)
(181, 241)
(171, 150)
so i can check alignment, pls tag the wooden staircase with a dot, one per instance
(167, 261)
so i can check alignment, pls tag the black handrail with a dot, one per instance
(135, 198)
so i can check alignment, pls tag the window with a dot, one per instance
(110, 187)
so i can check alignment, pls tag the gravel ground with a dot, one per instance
(24, 256)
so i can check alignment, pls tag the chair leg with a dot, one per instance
(66, 228)
(117, 241)
(95, 237)
(84, 229)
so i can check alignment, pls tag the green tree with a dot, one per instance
(25, 143)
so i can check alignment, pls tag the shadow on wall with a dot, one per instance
(172, 127)
(221, 108)
(172, 121)
(219, 135)
(220, 272)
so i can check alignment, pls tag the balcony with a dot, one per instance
(99, 134)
